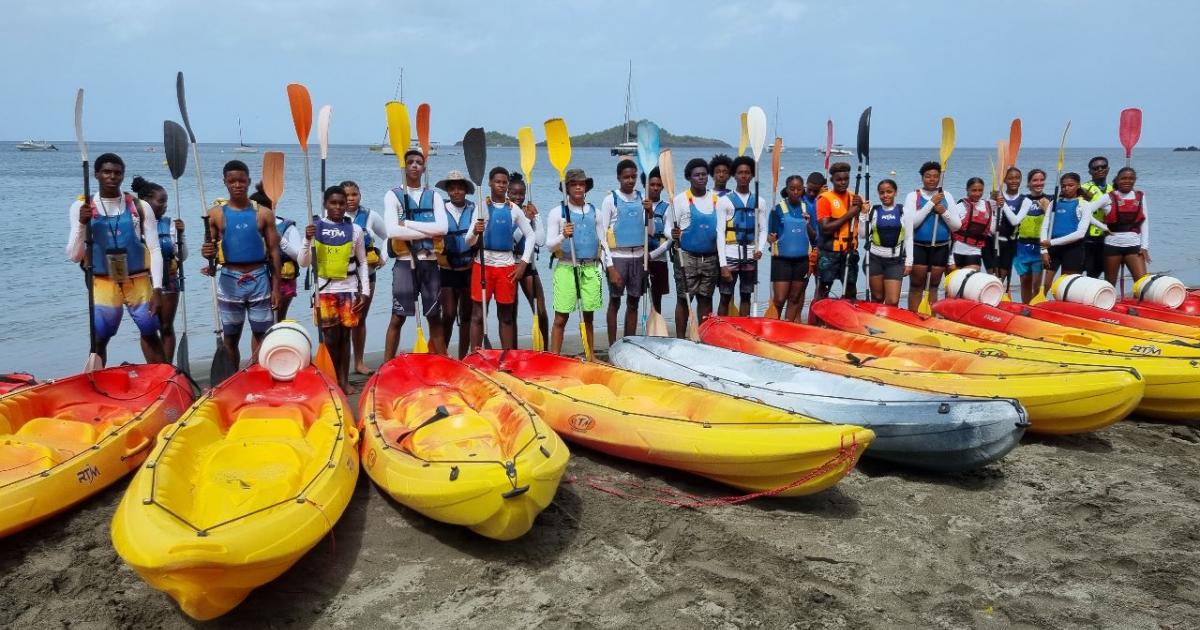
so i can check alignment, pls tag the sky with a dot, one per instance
(696, 65)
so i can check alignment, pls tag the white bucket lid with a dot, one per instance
(285, 350)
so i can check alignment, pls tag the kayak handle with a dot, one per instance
(515, 492)
(142, 445)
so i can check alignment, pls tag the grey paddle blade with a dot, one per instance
(864, 136)
(475, 153)
(175, 145)
(79, 126)
(182, 361)
(183, 106)
(222, 366)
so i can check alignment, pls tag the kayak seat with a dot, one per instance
(237, 478)
(68, 437)
(20, 458)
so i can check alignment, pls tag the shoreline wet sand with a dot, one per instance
(1096, 530)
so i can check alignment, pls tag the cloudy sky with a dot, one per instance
(696, 64)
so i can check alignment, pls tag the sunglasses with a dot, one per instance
(1099, 167)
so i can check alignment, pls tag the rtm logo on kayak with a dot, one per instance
(89, 474)
(992, 352)
(1152, 350)
(581, 423)
(1110, 321)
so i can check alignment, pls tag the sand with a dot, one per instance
(1098, 530)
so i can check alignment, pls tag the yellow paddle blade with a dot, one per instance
(772, 312)
(324, 362)
(1039, 298)
(947, 141)
(1006, 298)
(558, 145)
(1062, 145)
(420, 346)
(587, 347)
(399, 131)
(692, 332)
(1001, 165)
(924, 308)
(666, 169)
(733, 309)
(539, 343)
(528, 153)
(992, 172)
(744, 139)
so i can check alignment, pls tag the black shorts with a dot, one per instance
(890, 268)
(1003, 261)
(967, 260)
(530, 269)
(785, 269)
(1067, 257)
(660, 282)
(457, 278)
(745, 274)
(1093, 256)
(1113, 250)
(931, 255)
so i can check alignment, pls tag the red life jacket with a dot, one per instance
(977, 226)
(1125, 215)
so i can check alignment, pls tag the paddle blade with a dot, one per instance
(423, 128)
(475, 154)
(1001, 159)
(656, 325)
(1007, 297)
(648, 146)
(692, 331)
(92, 363)
(1014, 143)
(756, 126)
(528, 151)
(323, 129)
(399, 131)
(182, 360)
(222, 366)
(732, 311)
(539, 342)
(992, 172)
(324, 362)
(1131, 129)
(272, 176)
(776, 152)
(558, 145)
(828, 141)
(179, 95)
(79, 125)
(1039, 298)
(947, 141)
(587, 346)
(744, 136)
(175, 146)
(420, 346)
(864, 136)
(666, 169)
(924, 308)
(772, 311)
(1062, 147)
(301, 105)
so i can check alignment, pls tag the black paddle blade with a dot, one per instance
(175, 145)
(864, 136)
(182, 361)
(222, 366)
(183, 106)
(475, 153)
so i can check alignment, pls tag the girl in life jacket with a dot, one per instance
(1125, 216)
(975, 214)
(174, 252)
(1027, 260)
(888, 231)
(791, 235)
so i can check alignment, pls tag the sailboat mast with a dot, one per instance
(241, 140)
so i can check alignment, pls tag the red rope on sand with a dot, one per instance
(677, 498)
(332, 538)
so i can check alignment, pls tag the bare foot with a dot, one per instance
(362, 368)
(351, 389)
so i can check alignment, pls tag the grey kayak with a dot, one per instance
(938, 432)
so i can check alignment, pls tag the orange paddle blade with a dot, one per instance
(302, 117)
(423, 128)
(324, 362)
(272, 176)
(776, 151)
(1014, 143)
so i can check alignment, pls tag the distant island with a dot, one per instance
(608, 138)
(1187, 148)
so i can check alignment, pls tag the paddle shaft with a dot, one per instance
(486, 205)
(179, 248)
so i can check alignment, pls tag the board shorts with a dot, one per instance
(457, 279)
(890, 267)
(931, 255)
(132, 295)
(1069, 258)
(1114, 250)
(745, 274)
(698, 275)
(590, 287)
(660, 280)
(1002, 262)
(968, 260)
(170, 281)
(1028, 259)
(500, 286)
(336, 309)
(831, 267)
(633, 278)
(405, 281)
(287, 288)
(241, 293)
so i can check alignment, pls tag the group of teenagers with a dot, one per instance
(454, 251)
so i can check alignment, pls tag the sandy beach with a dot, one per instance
(1084, 531)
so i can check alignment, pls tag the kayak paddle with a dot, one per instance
(947, 149)
(1131, 131)
(272, 176)
(175, 146)
(1014, 144)
(528, 159)
(863, 148)
(828, 141)
(475, 154)
(744, 138)
(1041, 294)
(423, 135)
(648, 147)
(93, 362)
(756, 124)
(558, 146)
(666, 168)
(323, 140)
(776, 151)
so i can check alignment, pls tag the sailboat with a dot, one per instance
(242, 146)
(385, 147)
(629, 146)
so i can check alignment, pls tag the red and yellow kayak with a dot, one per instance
(1058, 398)
(65, 440)
(736, 441)
(15, 380)
(1153, 311)
(448, 442)
(1120, 318)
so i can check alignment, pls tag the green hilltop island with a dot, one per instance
(622, 140)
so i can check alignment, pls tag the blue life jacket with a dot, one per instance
(924, 233)
(630, 228)
(457, 253)
(282, 225)
(423, 212)
(793, 241)
(1006, 229)
(118, 232)
(241, 243)
(584, 244)
(700, 237)
(887, 228)
(166, 244)
(660, 225)
(498, 233)
(1065, 217)
(740, 228)
(360, 219)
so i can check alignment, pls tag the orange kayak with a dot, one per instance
(1120, 318)
(1152, 311)
(448, 442)
(65, 440)
(1094, 325)
(15, 380)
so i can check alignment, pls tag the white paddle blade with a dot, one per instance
(79, 125)
(323, 129)
(756, 126)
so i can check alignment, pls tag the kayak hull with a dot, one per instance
(490, 464)
(915, 429)
(1139, 340)
(65, 440)
(1075, 400)
(1118, 318)
(737, 442)
(253, 475)
(1161, 313)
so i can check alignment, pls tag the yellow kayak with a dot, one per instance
(250, 478)
(1172, 385)
(449, 443)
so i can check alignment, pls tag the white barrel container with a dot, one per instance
(1081, 289)
(1156, 288)
(285, 350)
(973, 285)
